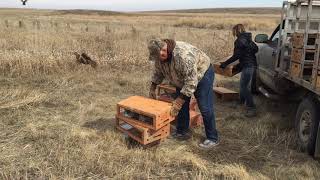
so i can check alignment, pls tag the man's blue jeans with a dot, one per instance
(245, 90)
(204, 96)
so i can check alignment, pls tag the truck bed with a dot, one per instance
(299, 47)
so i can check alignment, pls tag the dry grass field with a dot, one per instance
(57, 116)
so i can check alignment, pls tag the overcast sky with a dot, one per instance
(138, 5)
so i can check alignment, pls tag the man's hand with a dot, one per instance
(176, 106)
(223, 65)
(152, 91)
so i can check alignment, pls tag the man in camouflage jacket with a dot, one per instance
(190, 71)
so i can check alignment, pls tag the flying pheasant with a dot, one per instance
(85, 59)
(24, 2)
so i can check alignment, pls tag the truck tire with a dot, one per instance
(307, 122)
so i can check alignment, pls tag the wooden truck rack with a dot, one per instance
(316, 80)
(299, 43)
(297, 55)
(298, 40)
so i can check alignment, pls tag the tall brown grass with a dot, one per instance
(57, 116)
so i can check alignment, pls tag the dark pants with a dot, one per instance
(204, 96)
(245, 89)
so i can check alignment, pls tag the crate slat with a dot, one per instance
(295, 71)
(298, 40)
(195, 119)
(141, 134)
(225, 94)
(231, 70)
(145, 105)
(316, 79)
(163, 94)
(145, 112)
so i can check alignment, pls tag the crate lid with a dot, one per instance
(145, 105)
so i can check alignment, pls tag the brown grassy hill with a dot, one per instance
(87, 12)
(268, 10)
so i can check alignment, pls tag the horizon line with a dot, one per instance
(59, 9)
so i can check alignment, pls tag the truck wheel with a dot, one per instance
(307, 122)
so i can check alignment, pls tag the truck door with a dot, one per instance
(268, 52)
(266, 59)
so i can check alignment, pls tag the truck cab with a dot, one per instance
(266, 59)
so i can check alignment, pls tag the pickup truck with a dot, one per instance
(288, 67)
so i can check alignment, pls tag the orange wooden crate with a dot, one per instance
(316, 80)
(298, 40)
(297, 54)
(231, 70)
(195, 116)
(195, 119)
(163, 94)
(167, 88)
(225, 94)
(141, 134)
(295, 70)
(145, 112)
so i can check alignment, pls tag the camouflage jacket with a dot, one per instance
(186, 68)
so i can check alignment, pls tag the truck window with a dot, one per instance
(275, 37)
(273, 41)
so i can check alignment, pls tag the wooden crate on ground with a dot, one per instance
(165, 88)
(195, 119)
(145, 112)
(225, 94)
(231, 70)
(165, 93)
(141, 134)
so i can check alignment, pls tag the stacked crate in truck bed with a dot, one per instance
(298, 40)
(304, 56)
(144, 120)
(316, 80)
